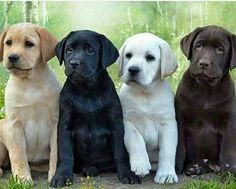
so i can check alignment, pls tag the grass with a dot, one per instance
(224, 180)
(14, 183)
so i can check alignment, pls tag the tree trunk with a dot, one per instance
(129, 18)
(7, 7)
(44, 13)
(30, 12)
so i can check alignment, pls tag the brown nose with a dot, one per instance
(13, 58)
(205, 64)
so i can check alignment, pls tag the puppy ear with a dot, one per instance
(108, 53)
(186, 42)
(168, 60)
(60, 50)
(120, 60)
(233, 51)
(2, 37)
(61, 46)
(47, 44)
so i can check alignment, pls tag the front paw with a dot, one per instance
(165, 176)
(140, 167)
(195, 169)
(61, 179)
(128, 177)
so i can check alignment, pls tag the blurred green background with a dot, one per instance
(119, 20)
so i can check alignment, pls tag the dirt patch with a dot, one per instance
(109, 181)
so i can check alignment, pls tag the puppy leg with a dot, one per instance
(167, 145)
(121, 158)
(136, 148)
(53, 154)
(64, 172)
(228, 150)
(16, 144)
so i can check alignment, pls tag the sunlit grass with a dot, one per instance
(15, 183)
(225, 180)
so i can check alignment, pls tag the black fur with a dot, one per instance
(91, 130)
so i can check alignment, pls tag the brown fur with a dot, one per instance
(205, 102)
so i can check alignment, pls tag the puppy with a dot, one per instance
(29, 130)
(91, 130)
(148, 106)
(205, 103)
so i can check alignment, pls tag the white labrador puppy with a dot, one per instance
(148, 106)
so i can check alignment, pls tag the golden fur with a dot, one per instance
(29, 130)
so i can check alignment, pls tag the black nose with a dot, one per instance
(74, 63)
(204, 64)
(134, 70)
(13, 58)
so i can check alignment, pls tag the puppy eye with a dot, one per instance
(69, 49)
(89, 49)
(8, 42)
(198, 46)
(220, 50)
(29, 44)
(149, 58)
(128, 55)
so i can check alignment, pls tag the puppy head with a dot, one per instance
(211, 51)
(24, 45)
(145, 57)
(84, 53)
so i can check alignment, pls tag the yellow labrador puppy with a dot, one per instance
(29, 130)
(148, 106)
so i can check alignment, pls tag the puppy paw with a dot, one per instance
(165, 176)
(24, 178)
(62, 179)
(196, 169)
(128, 177)
(140, 167)
(90, 171)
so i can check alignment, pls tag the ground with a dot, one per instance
(109, 181)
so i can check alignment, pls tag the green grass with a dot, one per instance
(225, 180)
(14, 183)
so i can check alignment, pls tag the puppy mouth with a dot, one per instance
(78, 77)
(203, 77)
(12, 68)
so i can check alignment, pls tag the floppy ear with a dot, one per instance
(61, 46)
(47, 44)
(120, 60)
(60, 50)
(233, 51)
(186, 42)
(168, 60)
(109, 52)
(2, 37)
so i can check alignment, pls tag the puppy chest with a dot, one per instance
(92, 143)
(37, 135)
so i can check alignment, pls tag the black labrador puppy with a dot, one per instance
(90, 130)
(205, 103)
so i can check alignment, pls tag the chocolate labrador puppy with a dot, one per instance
(91, 130)
(205, 103)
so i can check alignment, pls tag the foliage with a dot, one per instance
(15, 183)
(89, 183)
(225, 180)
